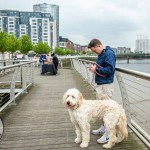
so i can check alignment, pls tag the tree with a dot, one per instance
(3, 42)
(26, 44)
(83, 52)
(68, 51)
(13, 44)
(42, 48)
(59, 51)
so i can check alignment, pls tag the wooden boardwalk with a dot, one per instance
(40, 121)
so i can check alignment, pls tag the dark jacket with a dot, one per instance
(55, 60)
(107, 61)
(42, 58)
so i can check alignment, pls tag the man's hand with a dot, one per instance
(93, 69)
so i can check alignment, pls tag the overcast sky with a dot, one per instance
(114, 22)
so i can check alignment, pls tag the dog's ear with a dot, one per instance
(80, 98)
(64, 97)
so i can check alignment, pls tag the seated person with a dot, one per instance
(49, 59)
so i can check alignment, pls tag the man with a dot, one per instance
(104, 70)
(55, 60)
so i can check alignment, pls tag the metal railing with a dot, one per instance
(7, 62)
(14, 80)
(132, 90)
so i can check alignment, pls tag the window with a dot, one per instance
(34, 36)
(34, 23)
(33, 20)
(11, 19)
(11, 22)
(11, 29)
(11, 26)
(23, 33)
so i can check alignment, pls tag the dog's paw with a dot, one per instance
(119, 140)
(107, 146)
(83, 145)
(77, 140)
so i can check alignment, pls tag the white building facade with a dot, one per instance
(54, 11)
(38, 26)
(142, 44)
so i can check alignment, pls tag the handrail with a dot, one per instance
(142, 75)
(20, 77)
(15, 65)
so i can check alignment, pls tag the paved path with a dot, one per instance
(40, 121)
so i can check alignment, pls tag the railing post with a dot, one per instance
(87, 72)
(13, 84)
(71, 63)
(61, 63)
(32, 72)
(125, 99)
(24, 77)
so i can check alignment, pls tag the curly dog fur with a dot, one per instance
(82, 111)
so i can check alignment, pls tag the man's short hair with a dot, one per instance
(94, 42)
(52, 54)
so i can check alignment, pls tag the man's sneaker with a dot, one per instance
(101, 130)
(104, 138)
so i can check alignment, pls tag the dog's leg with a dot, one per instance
(78, 139)
(112, 138)
(85, 131)
(78, 133)
(119, 136)
(110, 121)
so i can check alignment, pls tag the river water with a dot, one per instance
(142, 65)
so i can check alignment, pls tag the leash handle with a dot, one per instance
(99, 73)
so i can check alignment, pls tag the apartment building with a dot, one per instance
(38, 26)
(53, 10)
(142, 44)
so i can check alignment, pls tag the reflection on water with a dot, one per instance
(142, 65)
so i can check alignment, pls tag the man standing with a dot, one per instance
(55, 60)
(104, 70)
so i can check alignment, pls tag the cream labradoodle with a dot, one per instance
(82, 111)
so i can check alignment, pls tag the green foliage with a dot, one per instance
(65, 51)
(26, 44)
(13, 43)
(83, 52)
(68, 51)
(42, 48)
(3, 42)
(59, 51)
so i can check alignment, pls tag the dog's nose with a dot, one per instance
(68, 102)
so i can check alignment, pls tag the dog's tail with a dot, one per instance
(122, 125)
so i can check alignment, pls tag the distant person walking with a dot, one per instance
(104, 70)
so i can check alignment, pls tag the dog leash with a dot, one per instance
(88, 87)
(98, 66)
